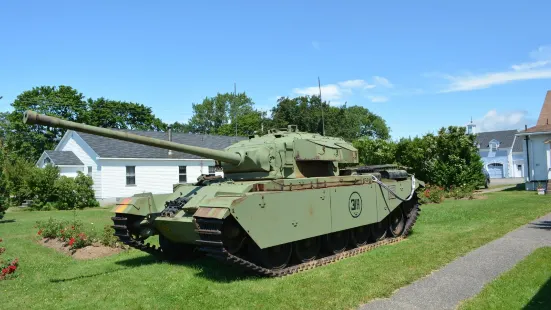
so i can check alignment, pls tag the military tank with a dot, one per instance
(288, 201)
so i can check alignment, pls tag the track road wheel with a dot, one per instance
(275, 257)
(177, 251)
(397, 222)
(379, 230)
(359, 236)
(336, 242)
(233, 236)
(307, 249)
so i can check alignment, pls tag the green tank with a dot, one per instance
(288, 201)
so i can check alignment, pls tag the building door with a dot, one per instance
(495, 170)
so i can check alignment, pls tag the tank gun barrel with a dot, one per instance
(31, 117)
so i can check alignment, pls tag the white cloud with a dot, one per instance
(316, 45)
(494, 120)
(328, 92)
(337, 91)
(530, 65)
(535, 70)
(382, 81)
(353, 83)
(487, 80)
(378, 98)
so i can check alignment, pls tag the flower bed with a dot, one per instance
(7, 266)
(73, 238)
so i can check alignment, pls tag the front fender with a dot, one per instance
(148, 203)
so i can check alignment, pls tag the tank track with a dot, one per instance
(124, 235)
(210, 238)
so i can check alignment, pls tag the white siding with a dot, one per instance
(518, 160)
(155, 176)
(538, 156)
(69, 171)
(73, 142)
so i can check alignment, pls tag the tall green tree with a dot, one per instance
(216, 115)
(65, 102)
(122, 115)
(29, 142)
(347, 122)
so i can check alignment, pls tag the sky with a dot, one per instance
(420, 65)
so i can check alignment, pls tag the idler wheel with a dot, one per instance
(397, 222)
(379, 230)
(307, 249)
(336, 242)
(360, 235)
(275, 257)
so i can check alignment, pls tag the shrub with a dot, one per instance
(70, 232)
(460, 192)
(7, 266)
(432, 193)
(74, 234)
(107, 237)
(74, 193)
(41, 185)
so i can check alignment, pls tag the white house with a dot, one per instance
(121, 169)
(537, 150)
(501, 152)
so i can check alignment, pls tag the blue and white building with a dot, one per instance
(501, 152)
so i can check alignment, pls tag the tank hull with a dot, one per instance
(243, 221)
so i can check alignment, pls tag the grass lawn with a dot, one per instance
(49, 280)
(526, 286)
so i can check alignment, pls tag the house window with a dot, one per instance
(493, 147)
(519, 167)
(130, 175)
(47, 160)
(182, 174)
(90, 170)
(211, 170)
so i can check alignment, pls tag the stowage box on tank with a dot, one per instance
(284, 204)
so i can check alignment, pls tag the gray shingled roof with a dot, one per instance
(62, 158)
(505, 138)
(112, 148)
(518, 147)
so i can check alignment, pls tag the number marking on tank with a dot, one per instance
(355, 204)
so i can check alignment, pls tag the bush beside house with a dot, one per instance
(46, 188)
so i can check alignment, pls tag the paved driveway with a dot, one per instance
(506, 181)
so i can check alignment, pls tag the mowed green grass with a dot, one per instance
(525, 286)
(133, 280)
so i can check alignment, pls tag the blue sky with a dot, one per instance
(420, 65)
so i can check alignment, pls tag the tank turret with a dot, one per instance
(281, 153)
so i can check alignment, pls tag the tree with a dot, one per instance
(180, 127)
(121, 115)
(375, 151)
(30, 141)
(347, 122)
(219, 114)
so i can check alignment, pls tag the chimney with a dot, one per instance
(169, 139)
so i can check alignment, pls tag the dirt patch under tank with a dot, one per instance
(89, 252)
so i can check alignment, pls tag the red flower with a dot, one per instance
(5, 271)
(71, 241)
(12, 268)
(40, 232)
